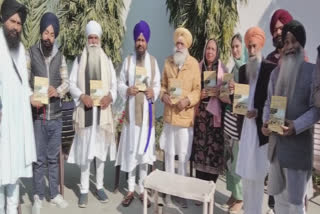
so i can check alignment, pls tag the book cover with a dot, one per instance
(241, 98)
(209, 80)
(141, 78)
(41, 86)
(278, 108)
(96, 92)
(175, 90)
(224, 89)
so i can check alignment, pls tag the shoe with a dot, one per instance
(270, 211)
(37, 205)
(83, 200)
(102, 196)
(198, 203)
(229, 203)
(141, 197)
(236, 207)
(127, 199)
(59, 201)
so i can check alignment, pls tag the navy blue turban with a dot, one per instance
(47, 20)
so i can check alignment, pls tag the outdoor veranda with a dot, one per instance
(71, 193)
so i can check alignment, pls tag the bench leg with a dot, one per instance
(205, 208)
(211, 205)
(156, 206)
(145, 201)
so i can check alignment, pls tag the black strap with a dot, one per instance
(16, 70)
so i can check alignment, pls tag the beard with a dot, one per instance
(253, 66)
(13, 38)
(289, 71)
(179, 57)
(277, 42)
(47, 47)
(93, 62)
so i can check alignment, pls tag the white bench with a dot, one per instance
(180, 186)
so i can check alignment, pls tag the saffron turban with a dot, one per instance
(297, 29)
(141, 28)
(255, 34)
(47, 20)
(11, 7)
(185, 34)
(282, 15)
(93, 28)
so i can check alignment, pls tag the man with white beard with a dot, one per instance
(177, 134)
(252, 163)
(17, 145)
(291, 154)
(93, 124)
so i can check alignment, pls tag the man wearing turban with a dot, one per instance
(17, 146)
(93, 86)
(46, 61)
(291, 153)
(279, 18)
(139, 86)
(180, 92)
(252, 161)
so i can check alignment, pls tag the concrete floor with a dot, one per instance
(72, 179)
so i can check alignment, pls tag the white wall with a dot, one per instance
(259, 12)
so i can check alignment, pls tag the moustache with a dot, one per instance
(47, 43)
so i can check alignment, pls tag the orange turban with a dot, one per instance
(255, 34)
(185, 34)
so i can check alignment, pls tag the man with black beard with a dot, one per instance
(291, 153)
(45, 60)
(17, 146)
(252, 163)
(279, 19)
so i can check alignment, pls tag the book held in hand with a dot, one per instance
(41, 86)
(209, 81)
(224, 89)
(141, 78)
(278, 108)
(175, 90)
(241, 99)
(96, 92)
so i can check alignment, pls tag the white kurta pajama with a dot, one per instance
(133, 137)
(17, 146)
(252, 163)
(93, 141)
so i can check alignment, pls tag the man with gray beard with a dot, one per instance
(252, 163)
(93, 71)
(291, 153)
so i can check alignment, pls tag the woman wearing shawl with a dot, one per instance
(231, 132)
(208, 143)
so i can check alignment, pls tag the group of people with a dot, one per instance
(199, 123)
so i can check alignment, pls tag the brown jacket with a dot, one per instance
(190, 76)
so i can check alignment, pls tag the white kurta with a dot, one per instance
(130, 152)
(17, 146)
(252, 163)
(91, 141)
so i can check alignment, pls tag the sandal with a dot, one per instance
(127, 200)
(236, 207)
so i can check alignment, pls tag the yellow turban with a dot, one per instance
(255, 34)
(185, 34)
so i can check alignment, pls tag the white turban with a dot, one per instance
(94, 28)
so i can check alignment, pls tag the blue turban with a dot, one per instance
(141, 27)
(50, 19)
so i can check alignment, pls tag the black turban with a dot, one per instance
(50, 19)
(11, 7)
(297, 29)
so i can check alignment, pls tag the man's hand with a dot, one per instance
(86, 100)
(289, 128)
(149, 93)
(252, 114)
(225, 99)
(265, 130)
(213, 92)
(231, 87)
(182, 104)
(166, 99)
(132, 91)
(52, 92)
(204, 94)
(105, 101)
(35, 103)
